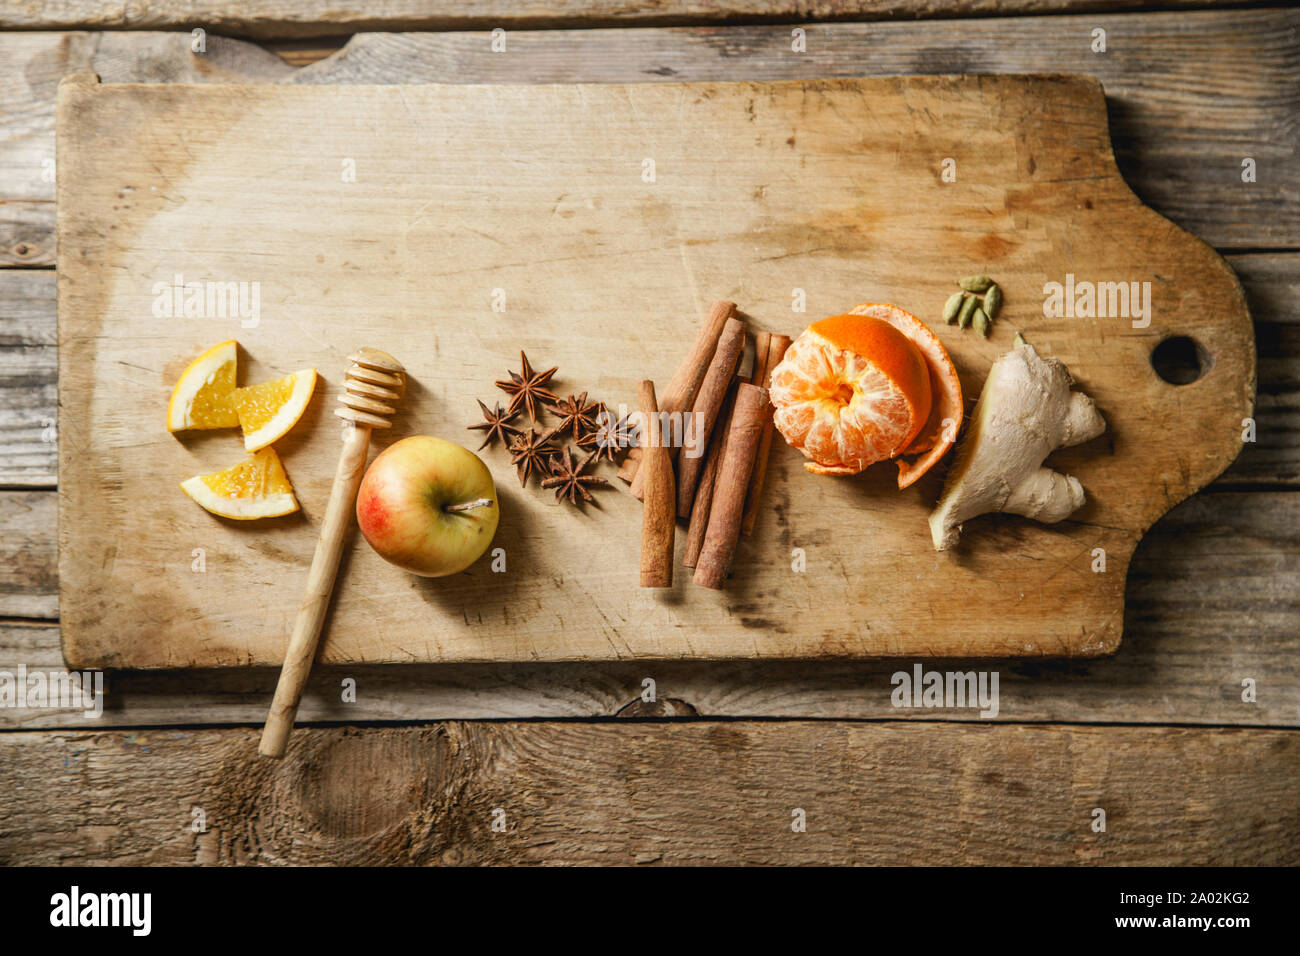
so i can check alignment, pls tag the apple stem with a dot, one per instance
(469, 505)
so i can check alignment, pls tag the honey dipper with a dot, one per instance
(372, 387)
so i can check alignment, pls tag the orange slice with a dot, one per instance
(267, 411)
(201, 398)
(254, 488)
(939, 433)
(852, 390)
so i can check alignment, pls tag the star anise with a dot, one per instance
(528, 387)
(576, 415)
(609, 437)
(569, 481)
(531, 452)
(496, 424)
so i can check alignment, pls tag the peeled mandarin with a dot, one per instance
(852, 390)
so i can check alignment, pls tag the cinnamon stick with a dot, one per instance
(658, 521)
(731, 485)
(762, 341)
(685, 385)
(704, 492)
(682, 388)
(631, 462)
(777, 346)
(704, 413)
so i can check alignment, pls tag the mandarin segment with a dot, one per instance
(202, 396)
(255, 488)
(258, 404)
(267, 411)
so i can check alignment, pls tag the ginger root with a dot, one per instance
(1025, 412)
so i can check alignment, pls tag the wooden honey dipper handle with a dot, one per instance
(372, 387)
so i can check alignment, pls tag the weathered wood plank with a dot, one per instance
(1185, 102)
(670, 793)
(268, 19)
(28, 379)
(28, 373)
(1190, 95)
(1186, 651)
(28, 554)
(26, 233)
(1272, 284)
(42, 59)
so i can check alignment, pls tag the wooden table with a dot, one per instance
(712, 769)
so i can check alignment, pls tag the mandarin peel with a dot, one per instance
(939, 434)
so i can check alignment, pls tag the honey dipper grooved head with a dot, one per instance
(372, 387)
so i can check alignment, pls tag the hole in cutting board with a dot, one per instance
(1180, 360)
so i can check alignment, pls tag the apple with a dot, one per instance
(428, 506)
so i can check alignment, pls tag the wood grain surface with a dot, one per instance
(1177, 641)
(315, 18)
(26, 233)
(1185, 654)
(667, 793)
(1186, 106)
(28, 379)
(28, 574)
(1211, 592)
(29, 375)
(801, 204)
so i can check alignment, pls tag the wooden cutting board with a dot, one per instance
(398, 217)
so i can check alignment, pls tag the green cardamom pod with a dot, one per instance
(967, 310)
(951, 306)
(975, 283)
(993, 300)
(981, 322)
